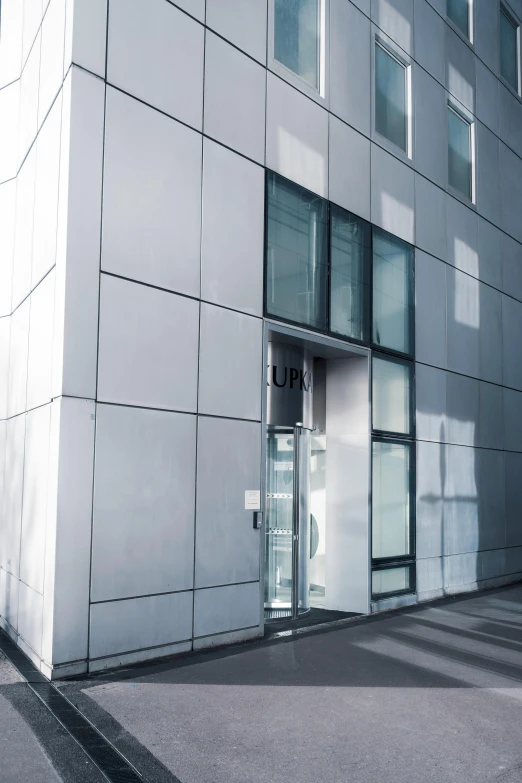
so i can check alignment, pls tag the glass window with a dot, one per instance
(350, 244)
(391, 111)
(459, 153)
(392, 293)
(297, 37)
(391, 499)
(391, 580)
(458, 12)
(508, 49)
(392, 383)
(297, 254)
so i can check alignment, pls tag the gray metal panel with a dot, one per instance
(227, 546)
(230, 364)
(243, 22)
(234, 99)
(223, 609)
(232, 244)
(350, 53)
(431, 474)
(144, 496)
(431, 151)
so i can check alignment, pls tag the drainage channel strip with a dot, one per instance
(115, 767)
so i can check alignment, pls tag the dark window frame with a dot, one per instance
(410, 590)
(367, 296)
(367, 317)
(410, 363)
(468, 34)
(381, 563)
(470, 196)
(504, 11)
(406, 150)
(280, 318)
(411, 309)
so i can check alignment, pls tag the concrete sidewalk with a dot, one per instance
(432, 694)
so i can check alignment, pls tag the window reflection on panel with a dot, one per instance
(297, 254)
(390, 499)
(391, 580)
(391, 111)
(392, 382)
(393, 299)
(459, 153)
(350, 249)
(297, 36)
(458, 12)
(508, 50)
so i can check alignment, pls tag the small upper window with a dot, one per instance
(297, 38)
(391, 98)
(459, 13)
(509, 49)
(460, 163)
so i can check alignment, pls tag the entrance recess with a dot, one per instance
(317, 501)
(287, 546)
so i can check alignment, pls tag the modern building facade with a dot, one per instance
(261, 315)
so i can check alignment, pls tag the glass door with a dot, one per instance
(287, 544)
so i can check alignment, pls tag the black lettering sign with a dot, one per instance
(291, 377)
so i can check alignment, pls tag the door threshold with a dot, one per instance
(308, 620)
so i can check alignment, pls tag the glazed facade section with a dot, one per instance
(148, 150)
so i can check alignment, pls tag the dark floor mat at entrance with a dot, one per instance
(313, 617)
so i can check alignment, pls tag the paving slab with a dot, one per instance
(428, 695)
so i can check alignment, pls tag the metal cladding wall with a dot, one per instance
(132, 156)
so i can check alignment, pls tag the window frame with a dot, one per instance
(279, 318)
(469, 36)
(367, 316)
(329, 332)
(468, 118)
(397, 561)
(411, 590)
(319, 95)
(401, 57)
(504, 10)
(411, 310)
(410, 363)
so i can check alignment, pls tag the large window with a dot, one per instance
(509, 45)
(333, 272)
(460, 156)
(350, 250)
(297, 38)
(459, 11)
(393, 298)
(391, 97)
(296, 254)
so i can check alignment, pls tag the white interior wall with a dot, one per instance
(347, 485)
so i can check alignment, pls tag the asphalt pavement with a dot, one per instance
(432, 694)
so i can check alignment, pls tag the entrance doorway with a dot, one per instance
(316, 499)
(288, 523)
